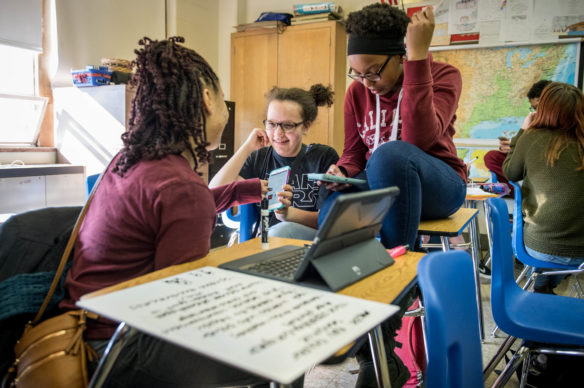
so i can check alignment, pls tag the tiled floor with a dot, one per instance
(345, 374)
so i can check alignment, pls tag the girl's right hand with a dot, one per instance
(334, 170)
(258, 138)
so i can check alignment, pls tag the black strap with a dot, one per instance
(68, 248)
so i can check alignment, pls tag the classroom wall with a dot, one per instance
(88, 31)
(247, 11)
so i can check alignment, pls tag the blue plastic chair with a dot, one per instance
(244, 220)
(89, 182)
(493, 177)
(544, 322)
(522, 255)
(452, 322)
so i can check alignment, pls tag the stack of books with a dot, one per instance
(315, 12)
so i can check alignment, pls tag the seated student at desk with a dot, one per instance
(548, 156)
(153, 210)
(290, 113)
(494, 159)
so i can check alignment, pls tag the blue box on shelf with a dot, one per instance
(91, 76)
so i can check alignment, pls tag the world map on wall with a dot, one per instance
(495, 82)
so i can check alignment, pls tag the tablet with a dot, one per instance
(277, 179)
(336, 179)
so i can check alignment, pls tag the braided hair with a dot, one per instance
(167, 114)
(309, 100)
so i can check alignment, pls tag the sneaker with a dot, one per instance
(484, 273)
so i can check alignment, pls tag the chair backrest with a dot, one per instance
(502, 273)
(523, 314)
(452, 321)
(518, 243)
(247, 216)
(89, 182)
(493, 177)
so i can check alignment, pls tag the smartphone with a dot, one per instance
(336, 179)
(277, 179)
(503, 138)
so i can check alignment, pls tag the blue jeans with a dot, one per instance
(552, 281)
(429, 189)
(292, 230)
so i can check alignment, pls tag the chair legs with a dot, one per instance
(503, 349)
(523, 354)
(511, 366)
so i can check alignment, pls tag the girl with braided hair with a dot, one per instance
(152, 210)
(290, 113)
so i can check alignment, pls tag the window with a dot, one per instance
(21, 110)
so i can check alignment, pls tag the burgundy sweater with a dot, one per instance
(159, 214)
(427, 114)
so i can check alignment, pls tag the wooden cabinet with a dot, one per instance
(300, 56)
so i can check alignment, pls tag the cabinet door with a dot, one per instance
(304, 59)
(254, 58)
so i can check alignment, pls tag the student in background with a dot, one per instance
(548, 156)
(290, 113)
(494, 159)
(152, 209)
(399, 116)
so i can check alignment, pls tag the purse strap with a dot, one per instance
(68, 248)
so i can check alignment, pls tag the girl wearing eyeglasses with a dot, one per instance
(399, 116)
(290, 114)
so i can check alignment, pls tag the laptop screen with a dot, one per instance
(355, 211)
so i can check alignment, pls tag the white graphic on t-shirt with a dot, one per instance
(367, 130)
(305, 192)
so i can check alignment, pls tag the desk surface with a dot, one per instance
(383, 286)
(450, 226)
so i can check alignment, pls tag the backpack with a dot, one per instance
(412, 351)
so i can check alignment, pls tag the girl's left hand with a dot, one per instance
(419, 34)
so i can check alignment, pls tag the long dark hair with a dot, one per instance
(561, 109)
(167, 114)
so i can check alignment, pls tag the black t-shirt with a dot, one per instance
(307, 194)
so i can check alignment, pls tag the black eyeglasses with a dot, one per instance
(286, 126)
(373, 77)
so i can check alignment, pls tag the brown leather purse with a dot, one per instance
(53, 353)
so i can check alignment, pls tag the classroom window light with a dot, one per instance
(21, 110)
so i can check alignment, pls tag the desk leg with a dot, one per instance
(112, 351)
(379, 357)
(474, 236)
(488, 225)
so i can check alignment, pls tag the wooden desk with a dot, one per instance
(451, 226)
(385, 286)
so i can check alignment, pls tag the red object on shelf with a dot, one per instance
(472, 37)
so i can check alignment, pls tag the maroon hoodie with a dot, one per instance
(427, 113)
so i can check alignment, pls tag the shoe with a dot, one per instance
(484, 273)
(547, 289)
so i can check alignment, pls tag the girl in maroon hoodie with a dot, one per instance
(399, 116)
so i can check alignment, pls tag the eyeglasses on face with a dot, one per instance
(373, 77)
(286, 126)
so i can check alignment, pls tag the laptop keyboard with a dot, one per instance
(282, 266)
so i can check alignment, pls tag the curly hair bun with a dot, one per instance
(378, 20)
(323, 95)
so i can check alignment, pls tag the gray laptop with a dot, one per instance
(344, 250)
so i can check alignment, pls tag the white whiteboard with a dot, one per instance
(272, 329)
